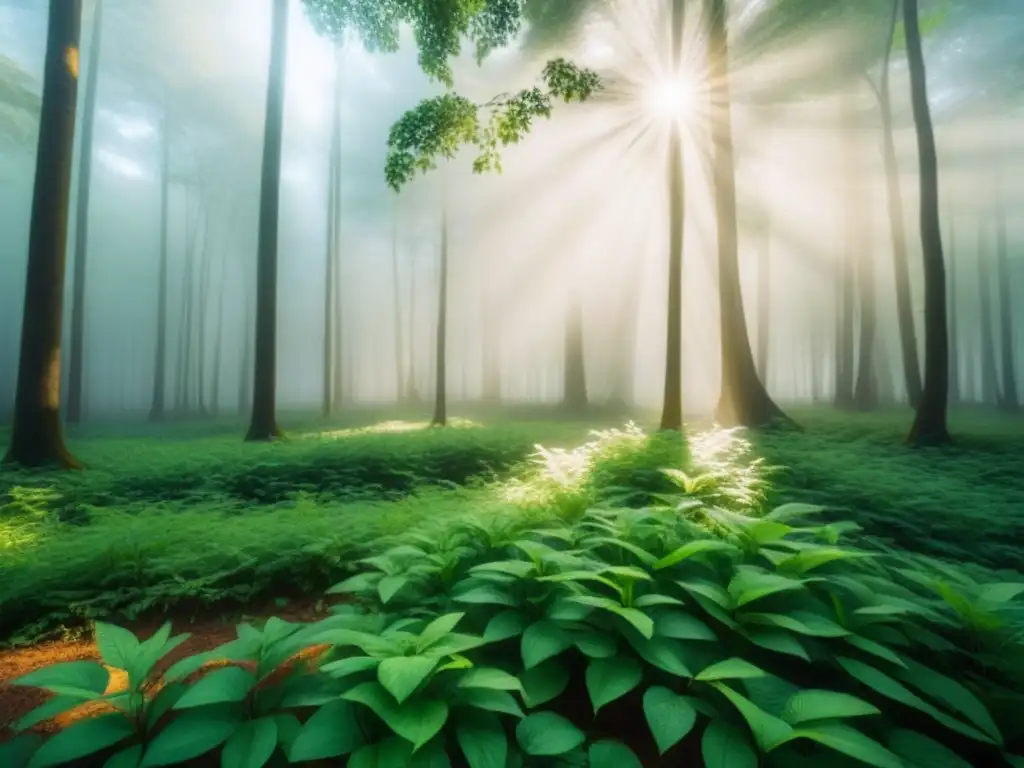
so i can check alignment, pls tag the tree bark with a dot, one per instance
(158, 405)
(264, 420)
(36, 438)
(743, 400)
(989, 372)
(440, 392)
(1008, 400)
(330, 255)
(929, 427)
(76, 360)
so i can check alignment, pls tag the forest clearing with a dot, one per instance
(511, 383)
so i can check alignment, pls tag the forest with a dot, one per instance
(511, 383)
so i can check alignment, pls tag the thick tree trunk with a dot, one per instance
(989, 372)
(743, 400)
(158, 405)
(672, 395)
(76, 361)
(954, 326)
(440, 391)
(929, 427)
(1008, 400)
(574, 384)
(396, 301)
(264, 420)
(764, 301)
(897, 227)
(36, 438)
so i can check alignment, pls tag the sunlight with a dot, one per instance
(671, 99)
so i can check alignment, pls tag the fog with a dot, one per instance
(580, 210)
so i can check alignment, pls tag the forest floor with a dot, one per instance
(192, 524)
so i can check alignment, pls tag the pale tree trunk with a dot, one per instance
(954, 345)
(1008, 400)
(158, 405)
(440, 418)
(574, 390)
(989, 374)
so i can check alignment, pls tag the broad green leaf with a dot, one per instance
(84, 680)
(17, 752)
(610, 679)
(809, 559)
(730, 669)
(627, 572)
(506, 625)
(691, 549)
(130, 757)
(709, 590)
(117, 646)
(251, 745)
(518, 568)
(794, 511)
(188, 736)
(682, 626)
(226, 684)
(769, 731)
(437, 629)
(596, 644)
(669, 716)
(402, 675)
(564, 609)
(544, 682)
(641, 554)
(921, 751)
(655, 599)
(664, 653)
(849, 741)
(393, 751)
(875, 649)
(482, 739)
(767, 531)
(49, 709)
(415, 720)
(151, 651)
(333, 730)
(454, 643)
(1000, 593)
(801, 622)
(612, 754)
(349, 666)
(490, 677)
(750, 584)
(542, 640)
(579, 577)
(490, 700)
(485, 595)
(813, 704)
(950, 693)
(726, 746)
(81, 739)
(546, 734)
(777, 640)
(639, 620)
(389, 586)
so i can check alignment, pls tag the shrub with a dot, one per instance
(627, 637)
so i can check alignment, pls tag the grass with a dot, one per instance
(191, 515)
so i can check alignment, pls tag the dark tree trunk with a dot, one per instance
(989, 372)
(330, 258)
(264, 420)
(764, 299)
(744, 400)
(844, 332)
(1008, 400)
(158, 406)
(36, 438)
(954, 326)
(929, 427)
(397, 305)
(904, 302)
(76, 361)
(440, 392)
(574, 385)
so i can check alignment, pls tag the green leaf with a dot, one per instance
(84, 680)
(612, 754)
(482, 739)
(875, 649)
(189, 735)
(850, 742)
(402, 675)
(518, 568)
(490, 677)
(923, 752)
(126, 758)
(546, 734)
(726, 746)
(389, 586)
(682, 626)
(696, 547)
(251, 745)
(490, 700)
(162, 703)
(542, 640)
(639, 620)
(393, 751)
(226, 684)
(151, 651)
(17, 752)
(485, 595)
(117, 646)
(669, 716)
(664, 653)
(655, 599)
(801, 622)
(809, 559)
(750, 584)
(709, 590)
(57, 705)
(596, 644)
(506, 625)
(415, 720)
(813, 704)
(333, 730)
(950, 693)
(350, 666)
(794, 511)
(778, 641)
(730, 669)
(544, 682)
(437, 629)
(81, 739)
(610, 679)
(769, 731)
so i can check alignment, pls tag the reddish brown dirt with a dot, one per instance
(206, 633)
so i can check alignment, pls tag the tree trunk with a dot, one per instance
(264, 420)
(574, 385)
(929, 427)
(330, 256)
(672, 395)
(865, 392)
(844, 332)
(204, 297)
(743, 400)
(158, 406)
(897, 227)
(764, 299)
(989, 373)
(36, 438)
(400, 380)
(1004, 279)
(77, 355)
(245, 383)
(218, 345)
(818, 350)
(413, 387)
(440, 393)
(954, 344)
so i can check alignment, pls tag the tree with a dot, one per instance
(989, 373)
(263, 424)
(76, 362)
(36, 438)
(1008, 400)
(574, 384)
(396, 289)
(440, 418)
(331, 244)
(954, 325)
(929, 427)
(158, 404)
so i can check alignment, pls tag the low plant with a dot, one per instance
(625, 638)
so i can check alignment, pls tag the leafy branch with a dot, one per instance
(440, 126)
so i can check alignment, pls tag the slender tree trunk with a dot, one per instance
(204, 298)
(865, 392)
(929, 427)
(400, 380)
(36, 438)
(245, 383)
(817, 359)
(77, 356)
(264, 421)
(904, 301)
(764, 301)
(574, 384)
(989, 372)
(412, 388)
(218, 345)
(845, 332)
(330, 257)
(188, 295)
(954, 326)
(157, 408)
(743, 400)
(1008, 400)
(440, 392)
(340, 346)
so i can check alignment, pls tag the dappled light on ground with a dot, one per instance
(388, 428)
